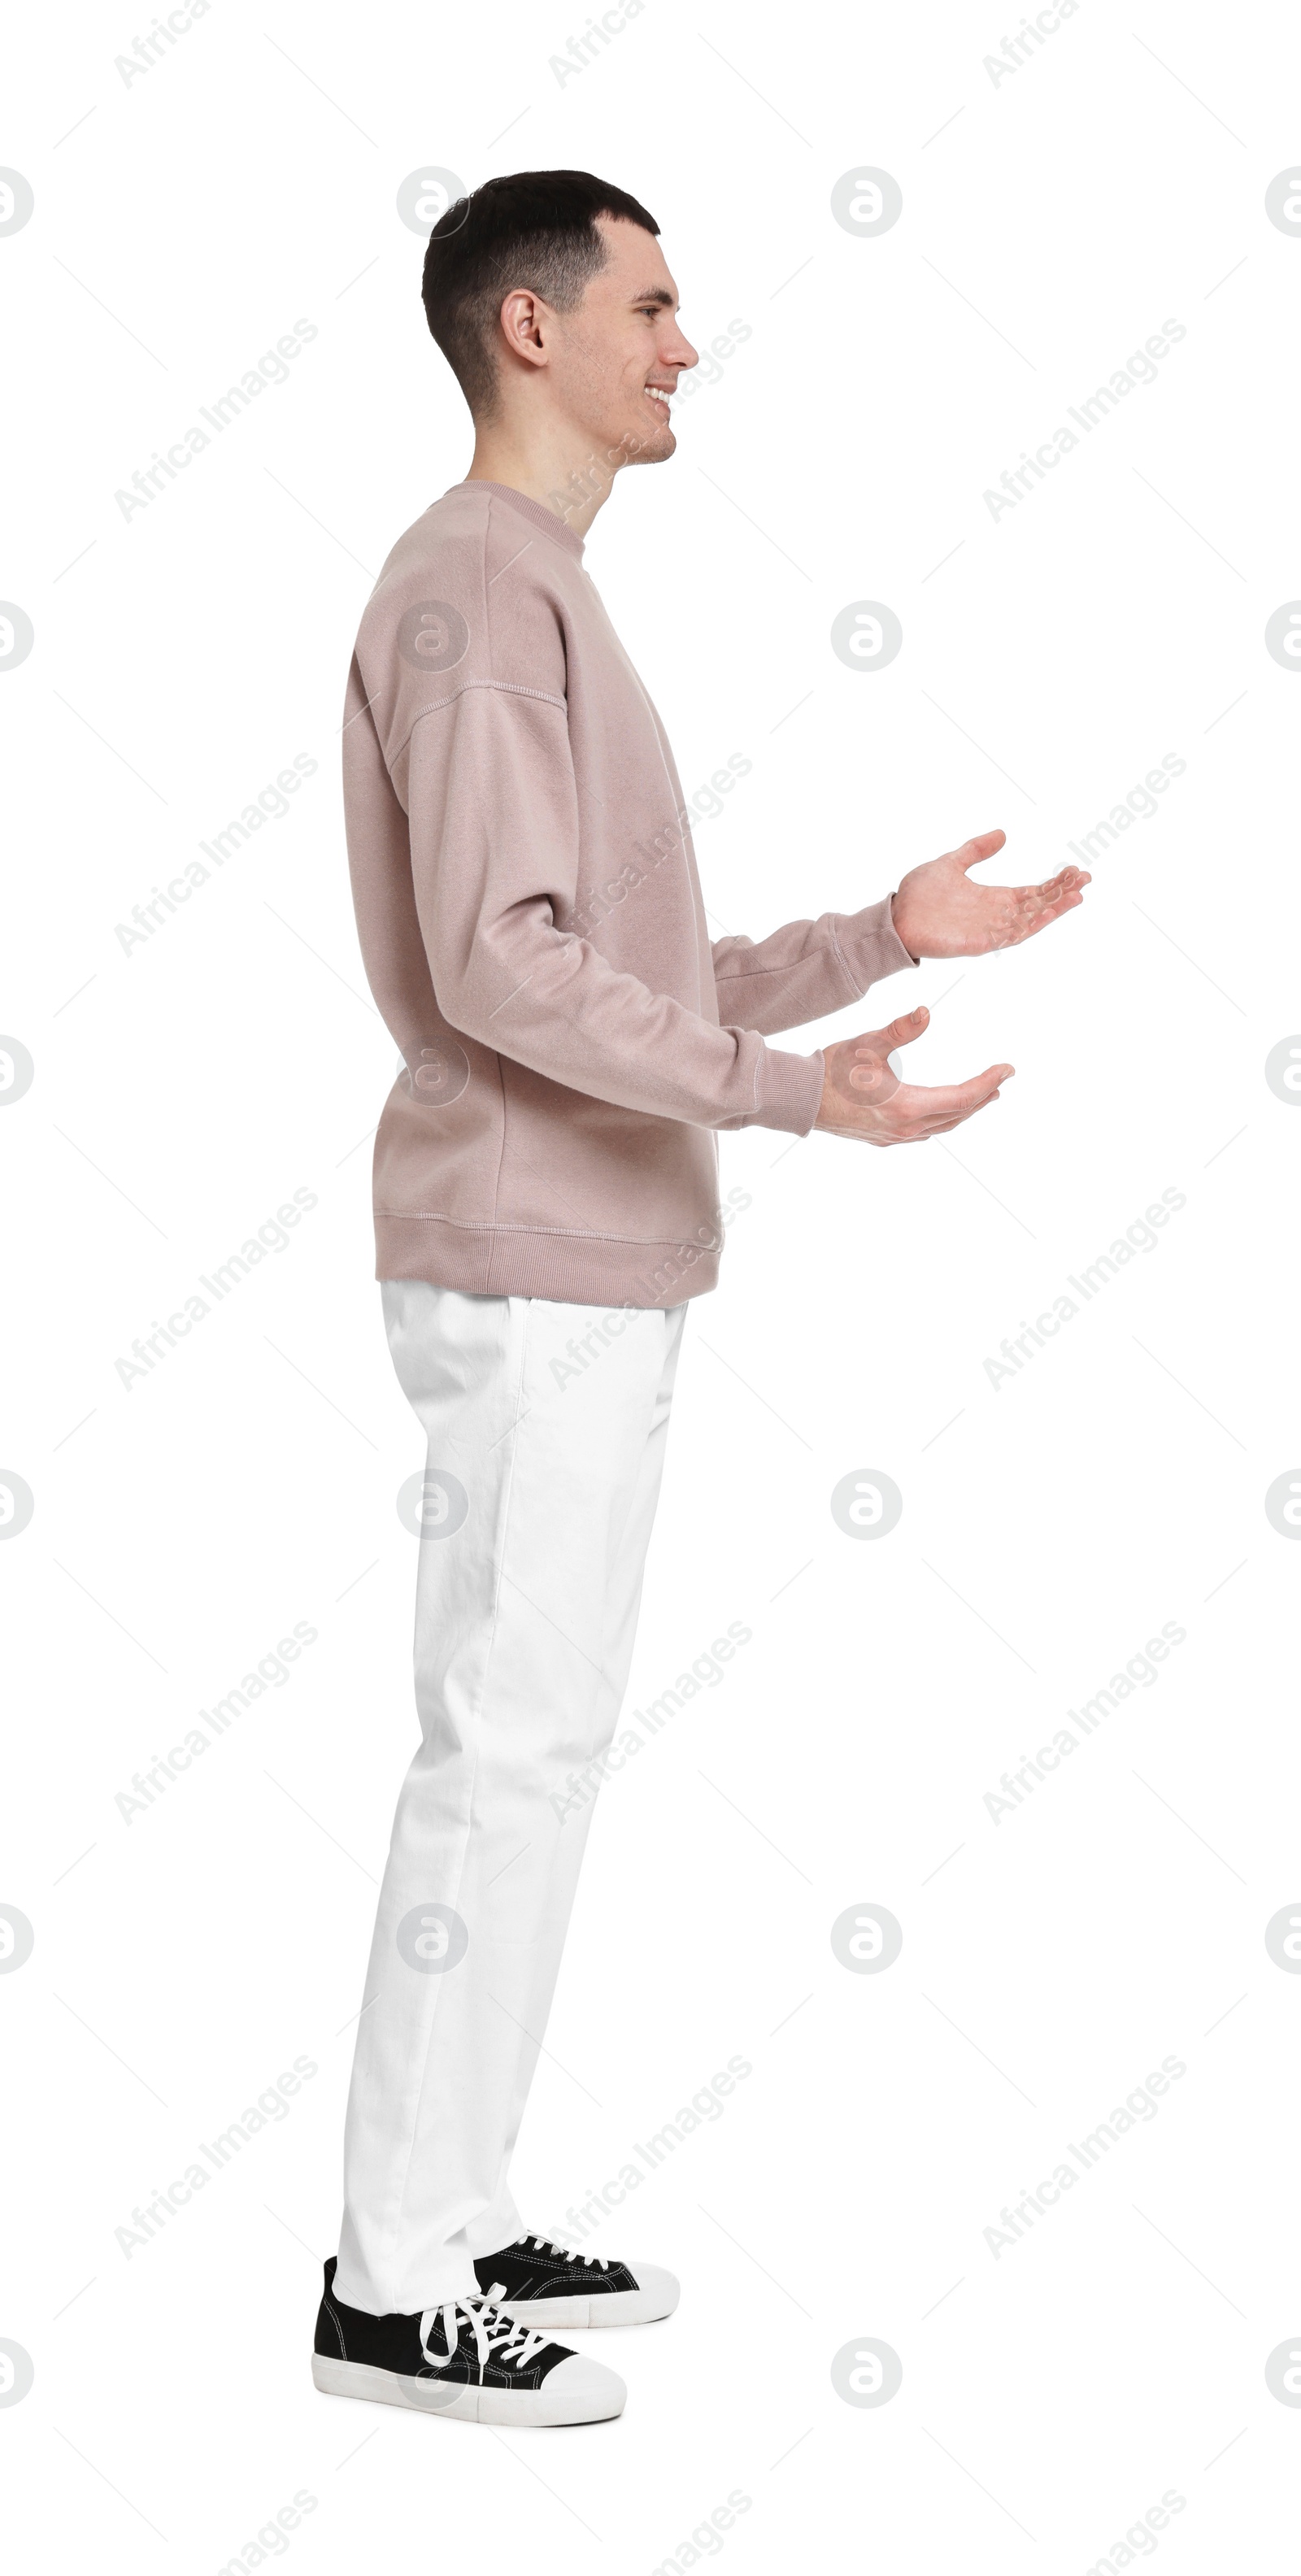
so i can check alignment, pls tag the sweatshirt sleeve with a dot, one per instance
(493, 818)
(808, 968)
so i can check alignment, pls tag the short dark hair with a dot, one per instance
(536, 228)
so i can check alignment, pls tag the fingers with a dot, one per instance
(900, 1032)
(1068, 881)
(1033, 898)
(955, 1099)
(1038, 921)
(917, 1104)
(1064, 890)
(1026, 909)
(942, 1126)
(914, 1130)
(985, 845)
(868, 1070)
(918, 1114)
(894, 1112)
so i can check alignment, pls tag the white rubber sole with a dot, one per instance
(604, 2308)
(575, 2392)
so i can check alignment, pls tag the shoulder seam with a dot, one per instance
(510, 688)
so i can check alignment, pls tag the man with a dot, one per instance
(546, 1206)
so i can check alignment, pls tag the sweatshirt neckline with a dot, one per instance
(551, 524)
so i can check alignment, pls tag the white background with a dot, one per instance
(183, 1090)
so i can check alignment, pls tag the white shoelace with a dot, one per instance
(496, 2338)
(547, 2245)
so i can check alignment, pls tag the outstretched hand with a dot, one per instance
(862, 1096)
(938, 912)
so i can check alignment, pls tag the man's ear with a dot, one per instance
(520, 321)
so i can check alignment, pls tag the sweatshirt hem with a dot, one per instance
(518, 1261)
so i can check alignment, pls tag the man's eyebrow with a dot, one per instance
(656, 295)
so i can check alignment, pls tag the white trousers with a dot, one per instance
(546, 1426)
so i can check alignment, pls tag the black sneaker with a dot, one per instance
(465, 2358)
(541, 2284)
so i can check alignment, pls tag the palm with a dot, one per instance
(863, 1096)
(938, 912)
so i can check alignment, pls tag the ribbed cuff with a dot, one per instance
(788, 1092)
(870, 944)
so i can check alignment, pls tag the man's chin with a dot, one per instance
(654, 447)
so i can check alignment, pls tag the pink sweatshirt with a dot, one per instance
(533, 932)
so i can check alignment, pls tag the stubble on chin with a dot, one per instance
(654, 447)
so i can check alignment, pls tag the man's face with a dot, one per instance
(619, 354)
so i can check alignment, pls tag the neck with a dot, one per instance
(551, 463)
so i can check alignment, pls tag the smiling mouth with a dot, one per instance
(659, 396)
